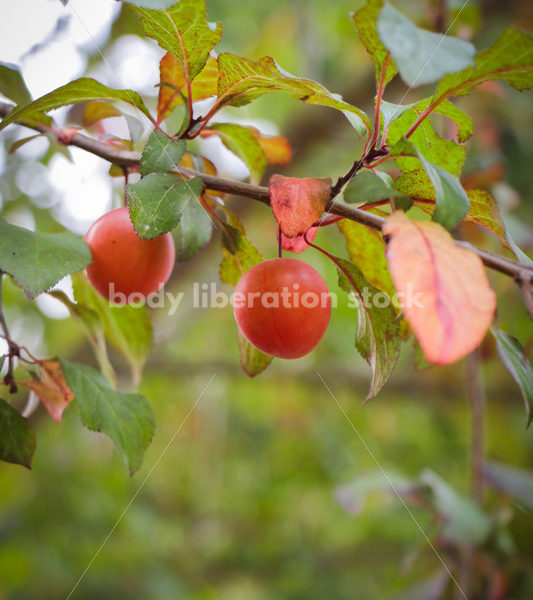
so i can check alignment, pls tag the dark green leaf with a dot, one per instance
(378, 334)
(126, 418)
(366, 22)
(514, 482)
(452, 204)
(194, 231)
(12, 84)
(243, 80)
(512, 355)
(17, 438)
(128, 328)
(158, 200)
(183, 30)
(464, 521)
(421, 56)
(242, 142)
(37, 261)
(80, 90)
(510, 58)
(367, 187)
(161, 154)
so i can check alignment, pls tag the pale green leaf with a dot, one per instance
(367, 187)
(421, 56)
(452, 204)
(128, 328)
(512, 355)
(193, 232)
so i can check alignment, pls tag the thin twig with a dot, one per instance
(127, 158)
(13, 349)
(524, 280)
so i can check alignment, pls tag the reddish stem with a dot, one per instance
(379, 97)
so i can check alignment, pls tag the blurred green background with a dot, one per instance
(242, 504)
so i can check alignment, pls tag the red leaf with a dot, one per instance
(298, 243)
(448, 301)
(52, 390)
(298, 203)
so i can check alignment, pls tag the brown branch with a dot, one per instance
(127, 158)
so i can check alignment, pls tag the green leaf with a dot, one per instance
(242, 80)
(367, 187)
(19, 143)
(126, 418)
(17, 438)
(391, 112)
(464, 521)
(161, 154)
(365, 20)
(37, 261)
(512, 355)
(452, 204)
(79, 90)
(194, 231)
(510, 58)
(253, 361)
(94, 330)
(378, 335)
(12, 84)
(128, 328)
(153, 4)
(158, 200)
(514, 482)
(485, 212)
(183, 30)
(239, 255)
(353, 496)
(439, 151)
(242, 142)
(421, 56)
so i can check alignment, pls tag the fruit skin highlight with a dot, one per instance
(282, 307)
(126, 268)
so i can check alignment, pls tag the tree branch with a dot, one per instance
(13, 349)
(127, 158)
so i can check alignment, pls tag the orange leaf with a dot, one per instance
(96, 111)
(52, 390)
(277, 149)
(298, 203)
(447, 298)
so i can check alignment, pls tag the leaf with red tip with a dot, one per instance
(52, 389)
(298, 203)
(298, 243)
(447, 298)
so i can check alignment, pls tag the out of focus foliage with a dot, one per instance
(242, 504)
